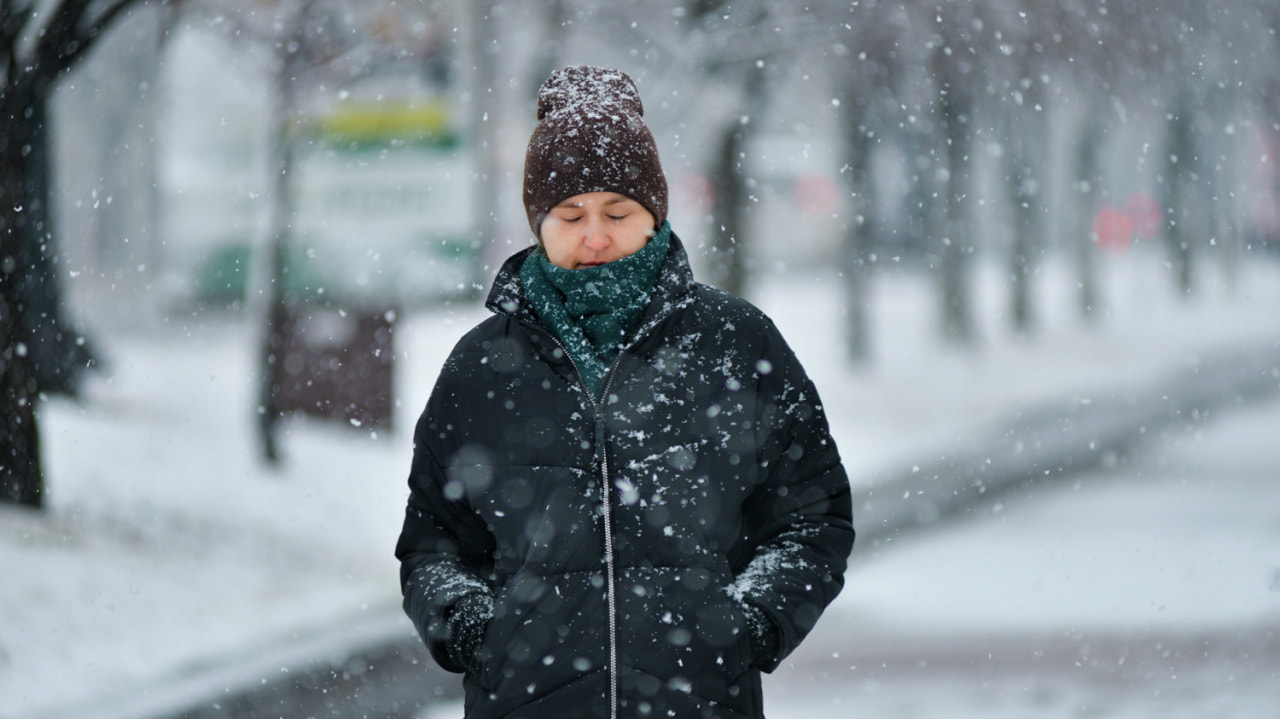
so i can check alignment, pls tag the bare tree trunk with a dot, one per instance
(1212, 225)
(1024, 163)
(1230, 112)
(484, 126)
(1227, 223)
(859, 233)
(727, 256)
(1180, 194)
(272, 277)
(920, 216)
(1082, 236)
(39, 354)
(954, 116)
(1023, 194)
(38, 43)
(729, 268)
(21, 477)
(58, 354)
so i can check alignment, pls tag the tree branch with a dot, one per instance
(66, 36)
(84, 39)
(12, 22)
(56, 34)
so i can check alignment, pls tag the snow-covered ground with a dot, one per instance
(1148, 590)
(169, 553)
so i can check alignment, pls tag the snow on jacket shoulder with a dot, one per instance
(702, 480)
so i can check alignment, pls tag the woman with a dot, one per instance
(624, 498)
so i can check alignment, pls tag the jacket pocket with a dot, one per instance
(505, 645)
(492, 646)
(546, 631)
(679, 625)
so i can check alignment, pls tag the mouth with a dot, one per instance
(590, 264)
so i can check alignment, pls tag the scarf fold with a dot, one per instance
(592, 310)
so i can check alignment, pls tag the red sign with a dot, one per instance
(1114, 228)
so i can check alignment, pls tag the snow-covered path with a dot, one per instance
(1149, 590)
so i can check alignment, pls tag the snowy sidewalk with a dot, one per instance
(1147, 589)
(1066, 437)
(171, 566)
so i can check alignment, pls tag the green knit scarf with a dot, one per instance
(592, 310)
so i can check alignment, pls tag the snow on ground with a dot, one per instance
(1188, 525)
(169, 550)
(1147, 590)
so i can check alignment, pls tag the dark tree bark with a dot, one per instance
(861, 229)
(1182, 197)
(954, 116)
(869, 111)
(40, 354)
(283, 108)
(57, 351)
(1025, 160)
(735, 51)
(731, 206)
(21, 479)
(1087, 180)
(486, 224)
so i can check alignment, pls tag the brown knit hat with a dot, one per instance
(591, 137)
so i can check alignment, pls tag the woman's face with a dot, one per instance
(595, 228)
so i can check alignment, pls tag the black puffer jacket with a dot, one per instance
(703, 481)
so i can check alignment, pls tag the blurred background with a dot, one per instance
(1011, 239)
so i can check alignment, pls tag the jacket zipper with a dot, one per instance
(602, 459)
(607, 495)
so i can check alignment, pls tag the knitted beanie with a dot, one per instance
(591, 137)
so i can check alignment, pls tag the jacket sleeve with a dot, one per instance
(445, 550)
(798, 522)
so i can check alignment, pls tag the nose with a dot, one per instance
(597, 235)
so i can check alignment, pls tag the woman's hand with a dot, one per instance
(467, 623)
